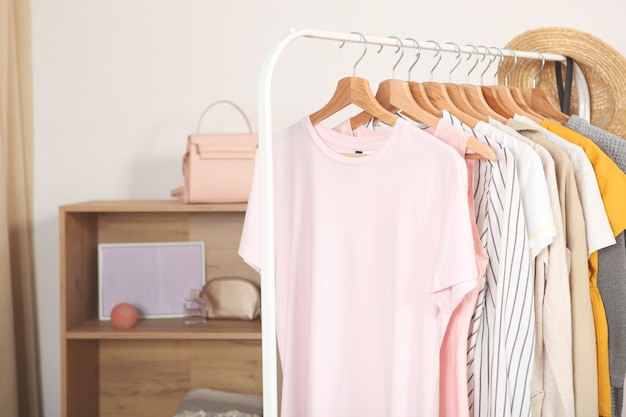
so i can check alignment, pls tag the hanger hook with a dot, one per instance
(437, 54)
(543, 63)
(467, 77)
(495, 75)
(506, 77)
(401, 50)
(492, 58)
(362, 55)
(417, 56)
(380, 49)
(458, 61)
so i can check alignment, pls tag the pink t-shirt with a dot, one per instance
(372, 255)
(453, 393)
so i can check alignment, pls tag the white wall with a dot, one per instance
(119, 84)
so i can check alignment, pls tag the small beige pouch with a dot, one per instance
(232, 298)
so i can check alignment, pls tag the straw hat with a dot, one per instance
(603, 66)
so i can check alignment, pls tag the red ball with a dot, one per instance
(124, 316)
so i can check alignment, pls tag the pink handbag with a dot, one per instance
(217, 167)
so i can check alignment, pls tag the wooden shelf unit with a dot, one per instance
(148, 369)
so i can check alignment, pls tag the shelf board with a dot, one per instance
(148, 206)
(172, 328)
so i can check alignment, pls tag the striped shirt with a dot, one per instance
(540, 226)
(501, 340)
(552, 388)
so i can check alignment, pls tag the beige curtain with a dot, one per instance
(19, 370)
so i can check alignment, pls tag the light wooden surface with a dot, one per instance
(171, 328)
(148, 369)
(137, 380)
(149, 206)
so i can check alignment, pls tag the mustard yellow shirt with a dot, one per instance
(612, 184)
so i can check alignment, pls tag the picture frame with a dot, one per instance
(154, 277)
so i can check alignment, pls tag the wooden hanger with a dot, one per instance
(457, 92)
(353, 90)
(506, 100)
(487, 94)
(357, 91)
(395, 95)
(501, 99)
(518, 93)
(519, 98)
(475, 93)
(434, 98)
(417, 89)
(476, 96)
(419, 94)
(449, 97)
(538, 99)
(482, 150)
(495, 103)
(439, 96)
(461, 99)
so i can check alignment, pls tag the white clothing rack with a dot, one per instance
(268, 323)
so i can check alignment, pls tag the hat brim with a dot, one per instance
(603, 66)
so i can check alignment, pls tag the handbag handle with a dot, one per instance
(565, 91)
(224, 102)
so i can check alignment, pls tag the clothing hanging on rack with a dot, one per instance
(508, 298)
(573, 181)
(354, 233)
(612, 184)
(612, 265)
(524, 164)
(453, 394)
(301, 148)
(552, 291)
(612, 188)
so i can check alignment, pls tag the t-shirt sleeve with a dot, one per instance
(455, 272)
(250, 243)
(540, 225)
